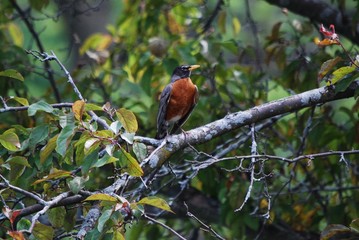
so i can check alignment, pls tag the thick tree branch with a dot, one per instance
(236, 120)
(321, 12)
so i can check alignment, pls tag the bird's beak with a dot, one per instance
(194, 67)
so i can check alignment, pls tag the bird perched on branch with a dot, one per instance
(177, 101)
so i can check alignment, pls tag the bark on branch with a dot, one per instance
(236, 120)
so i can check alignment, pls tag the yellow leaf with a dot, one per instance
(128, 120)
(156, 202)
(101, 197)
(55, 175)
(236, 25)
(22, 101)
(173, 26)
(222, 16)
(10, 140)
(327, 66)
(130, 164)
(118, 234)
(341, 73)
(11, 73)
(78, 109)
(16, 34)
(43, 232)
(326, 42)
(48, 149)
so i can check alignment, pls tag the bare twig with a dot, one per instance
(47, 206)
(35, 35)
(24, 108)
(204, 226)
(200, 165)
(254, 31)
(215, 12)
(44, 57)
(252, 167)
(164, 226)
(7, 184)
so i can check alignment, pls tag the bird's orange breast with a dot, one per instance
(181, 100)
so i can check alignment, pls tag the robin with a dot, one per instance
(177, 101)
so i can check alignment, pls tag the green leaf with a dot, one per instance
(101, 197)
(48, 149)
(156, 202)
(76, 184)
(55, 175)
(11, 73)
(327, 66)
(105, 160)
(22, 101)
(67, 119)
(23, 224)
(16, 171)
(146, 80)
(344, 83)
(89, 161)
(128, 120)
(354, 225)
(140, 150)
(340, 74)
(118, 235)
(64, 138)
(128, 137)
(39, 106)
(10, 140)
(57, 216)
(43, 232)
(92, 107)
(115, 127)
(19, 160)
(105, 216)
(70, 217)
(130, 164)
(169, 64)
(38, 134)
(38, 5)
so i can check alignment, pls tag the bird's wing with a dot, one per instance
(162, 111)
(180, 122)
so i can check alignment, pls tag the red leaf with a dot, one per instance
(11, 214)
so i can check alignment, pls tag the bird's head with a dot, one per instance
(183, 71)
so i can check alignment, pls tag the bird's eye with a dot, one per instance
(184, 67)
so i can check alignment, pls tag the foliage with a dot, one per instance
(59, 153)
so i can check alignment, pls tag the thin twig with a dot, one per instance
(47, 206)
(43, 56)
(24, 108)
(207, 163)
(164, 226)
(7, 184)
(205, 226)
(35, 35)
(215, 12)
